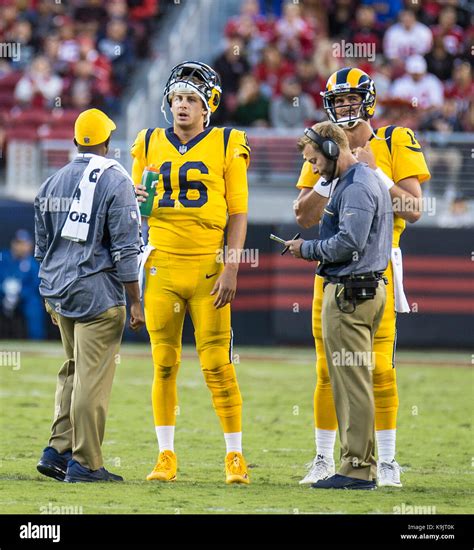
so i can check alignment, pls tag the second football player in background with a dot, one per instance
(349, 101)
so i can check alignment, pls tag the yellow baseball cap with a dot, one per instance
(93, 127)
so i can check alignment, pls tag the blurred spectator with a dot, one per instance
(69, 46)
(461, 86)
(467, 120)
(45, 16)
(118, 48)
(249, 11)
(311, 82)
(21, 303)
(231, 65)
(407, 37)
(382, 76)
(426, 11)
(51, 46)
(90, 10)
(272, 70)
(365, 29)
(425, 91)
(253, 107)
(325, 60)
(443, 157)
(452, 34)
(340, 15)
(458, 213)
(439, 61)
(38, 87)
(293, 108)
(143, 10)
(254, 29)
(386, 10)
(8, 18)
(294, 35)
(22, 36)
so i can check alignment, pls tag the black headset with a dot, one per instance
(329, 148)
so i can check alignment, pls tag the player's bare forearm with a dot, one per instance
(309, 207)
(407, 199)
(236, 234)
(226, 284)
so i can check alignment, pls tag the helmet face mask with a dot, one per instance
(350, 81)
(197, 77)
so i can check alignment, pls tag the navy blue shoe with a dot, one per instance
(344, 482)
(77, 473)
(54, 464)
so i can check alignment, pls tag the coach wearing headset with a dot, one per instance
(353, 251)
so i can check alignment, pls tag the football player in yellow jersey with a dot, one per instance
(202, 189)
(349, 100)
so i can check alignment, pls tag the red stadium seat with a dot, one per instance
(22, 134)
(7, 100)
(33, 117)
(62, 132)
(61, 118)
(9, 81)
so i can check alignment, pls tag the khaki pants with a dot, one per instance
(84, 383)
(348, 343)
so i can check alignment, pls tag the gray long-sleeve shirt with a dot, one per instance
(356, 228)
(82, 280)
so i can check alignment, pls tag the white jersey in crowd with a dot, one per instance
(400, 43)
(427, 92)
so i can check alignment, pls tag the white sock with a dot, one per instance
(233, 442)
(325, 441)
(165, 435)
(386, 444)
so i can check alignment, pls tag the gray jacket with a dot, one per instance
(356, 228)
(82, 280)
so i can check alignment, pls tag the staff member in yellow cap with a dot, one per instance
(88, 254)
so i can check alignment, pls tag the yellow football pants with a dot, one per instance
(384, 376)
(174, 284)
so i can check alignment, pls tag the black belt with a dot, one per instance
(370, 276)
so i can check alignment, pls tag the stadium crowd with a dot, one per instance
(279, 55)
(59, 58)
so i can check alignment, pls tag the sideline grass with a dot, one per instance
(434, 438)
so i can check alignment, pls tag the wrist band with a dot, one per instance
(386, 180)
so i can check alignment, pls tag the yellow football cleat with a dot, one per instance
(165, 469)
(236, 469)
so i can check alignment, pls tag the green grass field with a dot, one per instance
(434, 438)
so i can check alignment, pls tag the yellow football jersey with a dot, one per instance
(201, 182)
(398, 153)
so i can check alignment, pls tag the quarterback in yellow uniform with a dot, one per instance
(396, 155)
(201, 191)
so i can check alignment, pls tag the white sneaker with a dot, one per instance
(388, 474)
(321, 468)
